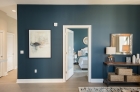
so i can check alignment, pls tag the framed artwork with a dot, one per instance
(39, 44)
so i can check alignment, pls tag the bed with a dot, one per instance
(83, 62)
(83, 58)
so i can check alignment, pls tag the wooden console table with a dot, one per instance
(108, 64)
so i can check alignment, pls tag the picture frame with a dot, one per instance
(39, 43)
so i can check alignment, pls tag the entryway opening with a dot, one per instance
(76, 51)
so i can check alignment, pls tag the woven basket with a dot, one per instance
(114, 77)
(123, 71)
(132, 78)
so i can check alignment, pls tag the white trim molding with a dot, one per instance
(96, 80)
(39, 81)
(89, 48)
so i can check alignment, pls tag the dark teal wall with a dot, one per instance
(79, 35)
(105, 20)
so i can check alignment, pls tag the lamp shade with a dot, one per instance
(110, 50)
(126, 48)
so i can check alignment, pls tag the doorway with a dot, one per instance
(9, 66)
(65, 27)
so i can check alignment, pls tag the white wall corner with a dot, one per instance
(40, 81)
(96, 80)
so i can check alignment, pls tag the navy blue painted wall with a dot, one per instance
(79, 35)
(105, 20)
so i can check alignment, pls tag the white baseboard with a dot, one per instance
(96, 80)
(40, 81)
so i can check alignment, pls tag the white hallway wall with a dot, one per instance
(8, 24)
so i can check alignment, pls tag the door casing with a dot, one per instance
(89, 48)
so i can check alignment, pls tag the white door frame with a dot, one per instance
(89, 49)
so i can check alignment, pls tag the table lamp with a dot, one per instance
(110, 51)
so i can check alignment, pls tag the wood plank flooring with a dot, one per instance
(8, 84)
(10, 78)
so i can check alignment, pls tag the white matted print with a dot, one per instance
(39, 44)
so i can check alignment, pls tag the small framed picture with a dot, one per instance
(128, 59)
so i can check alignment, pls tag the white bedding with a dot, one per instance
(83, 52)
(83, 62)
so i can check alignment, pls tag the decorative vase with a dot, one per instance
(138, 56)
(137, 59)
(133, 59)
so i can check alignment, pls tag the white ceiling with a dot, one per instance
(8, 5)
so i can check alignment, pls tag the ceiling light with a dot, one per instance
(13, 10)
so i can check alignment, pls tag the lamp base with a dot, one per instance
(110, 59)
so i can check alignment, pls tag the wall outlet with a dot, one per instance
(21, 51)
(35, 70)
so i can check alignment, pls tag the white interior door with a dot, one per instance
(1, 51)
(10, 52)
(69, 53)
(1, 45)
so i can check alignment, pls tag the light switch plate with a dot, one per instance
(21, 51)
(55, 24)
(35, 70)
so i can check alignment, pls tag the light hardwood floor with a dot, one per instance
(8, 84)
(10, 78)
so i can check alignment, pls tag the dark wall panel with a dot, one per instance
(105, 20)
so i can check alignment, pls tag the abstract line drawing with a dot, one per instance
(39, 44)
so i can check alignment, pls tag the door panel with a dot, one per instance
(69, 53)
(10, 52)
(1, 52)
(1, 45)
